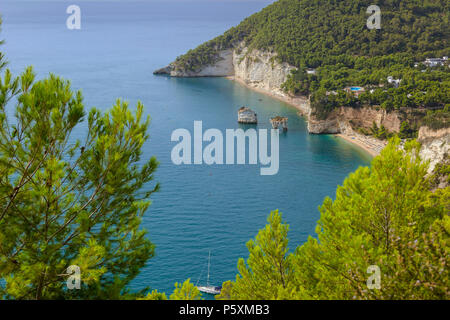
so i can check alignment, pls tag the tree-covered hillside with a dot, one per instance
(332, 37)
(312, 33)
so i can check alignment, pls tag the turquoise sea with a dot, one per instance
(199, 208)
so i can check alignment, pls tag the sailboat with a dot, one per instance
(209, 289)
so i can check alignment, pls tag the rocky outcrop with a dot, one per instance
(341, 119)
(261, 70)
(325, 126)
(247, 115)
(222, 68)
(435, 145)
(339, 124)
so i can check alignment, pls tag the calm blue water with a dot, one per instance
(199, 208)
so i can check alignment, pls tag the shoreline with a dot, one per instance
(373, 151)
(369, 145)
(289, 101)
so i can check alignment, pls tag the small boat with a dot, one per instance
(208, 288)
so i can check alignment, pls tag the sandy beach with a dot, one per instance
(294, 102)
(371, 145)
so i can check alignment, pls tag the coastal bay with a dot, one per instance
(199, 208)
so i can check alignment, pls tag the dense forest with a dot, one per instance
(331, 37)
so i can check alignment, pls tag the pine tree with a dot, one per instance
(268, 273)
(185, 291)
(379, 214)
(67, 200)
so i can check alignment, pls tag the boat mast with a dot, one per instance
(209, 260)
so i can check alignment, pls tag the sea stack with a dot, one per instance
(279, 121)
(247, 115)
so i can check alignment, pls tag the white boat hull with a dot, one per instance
(209, 290)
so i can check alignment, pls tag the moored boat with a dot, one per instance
(209, 289)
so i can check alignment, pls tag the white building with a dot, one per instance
(434, 62)
(395, 82)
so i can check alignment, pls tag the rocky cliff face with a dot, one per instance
(263, 72)
(435, 145)
(341, 119)
(258, 70)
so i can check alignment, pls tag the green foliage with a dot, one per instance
(323, 103)
(311, 33)
(70, 200)
(437, 119)
(441, 173)
(300, 83)
(383, 215)
(269, 271)
(380, 132)
(2, 56)
(406, 132)
(88, 260)
(226, 291)
(186, 291)
(154, 295)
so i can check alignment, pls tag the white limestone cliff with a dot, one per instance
(435, 145)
